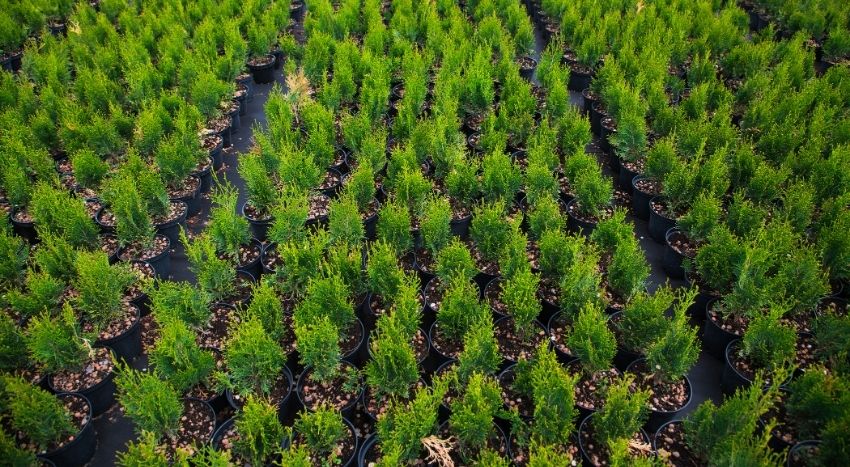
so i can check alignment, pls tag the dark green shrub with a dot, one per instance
(644, 319)
(57, 343)
(393, 368)
(177, 358)
(394, 227)
(455, 260)
(623, 414)
(260, 432)
(404, 429)
(519, 294)
(676, 351)
(321, 430)
(318, 347)
(460, 309)
(101, 288)
(472, 414)
(344, 223)
(227, 229)
(181, 301)
(769, 344)
(592, 341)
(480, 351)
(489, 229)
(151, 403)
(36, 413)
(435, 224)
(216, 276)
(553, 390)
(13, 350)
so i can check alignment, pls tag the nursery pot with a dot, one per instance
(583, 449)
(732, 379)
(658, 224)
(588, 101)
(254, 267)
(563, 357)
(235, 121)
(606, 129)
(263, 72)
(597, 111)
(142, 301)
(286, 408)
(162, 262)
(365, 447)
(579, 79)
(128, 344)
(796, 455)
(625, 177)
(351, 461)
(658, 418)
(640, 200)
(205, 176)
(332, 190)
(217, 155)
(13, 61)
(624, 358)
(81, 449)
(672, 260)
(171, 229)
(370, 226)
(25, 230)
(578, 225)
(192, 200)
(259, 227)
(527, 73)
(348, 411)
(101, 396)
(715, 339)
(460, 227)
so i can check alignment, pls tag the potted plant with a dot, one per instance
(480, 352)
(501, 178)
(255, 366)
(489, 231)
(254, 435)
(344, 224)
(668, 360)
(58, 346)
(394, 227)
(360, 186)
(593, 343)
(435, 232)
(691, 231)
(321, 434)
(520, 333)
(626, 274)
(261, 194)
(324, 323)
(217, 278)
(13, 258)
(463, 188)
(660, 160)
(593, 195)
(459, 310)
(472, 419)
(155, 407)
(57, 213)
(641, 323)
(56, 427)
(176, 161)
(231, 233)
(177, 358)
(261, 35)
(134, 227)
(100, 297)
(767, 345)
(620, 419)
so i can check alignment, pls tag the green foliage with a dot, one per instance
(611, 232)
(472, 414)
(13, 454)
(326, 296)
(644, 319)
(402, 429)
(261, 190)
(254, 360)
(574, 131)
(177, 358)
(675, 351)
(290, 216)
(133, 224)
(580, 280)
(460, 309)
(227, 229)
(300, 262)
(713, 259)
(540, 181)
(455, 260)
(501, 178)
(145, 452)
(593, 191)
(703, 217)
(181, 301)
(43, 294)
(57, 343)
(834, 448)
(265, 306)
(768, 343)
(58, 213)
(393, 368)
(623, 414)
(321, 430)
(344, 223)
(816, 398)
(519, 294)
(435, 224)
(553, 391)
(55, 258)
(710, 429)
(462, 182)
(216, 276)
(833, 340)
(13, 257)
(260, 432)
(394, 227)
(513, 258)
(834, 246)
(490, 229)
(207, 92)
(592, 341)
(13, 350)
(101, 288)
(545, 455)
(385, 275)
(36, 413)
(151, 403)
(360, 185)
(480, 352)
(543, 216)
(175, 161)
(318, 347)
(802, 279)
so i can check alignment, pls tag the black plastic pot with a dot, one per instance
(25, 230)
(171, 229)
(596, 113)
(584, 425)
(588, 101)
(437, 358)
(606, 130)
(333, 190)
(128, 344)
(563, 357)
(365, 447)
(658, 418)
(578, 225)
(296, 10)
(254, 267)
(287, 409)
(351, 461)
(715, 340)
(672, 260)
(259, 227)
(528, 73)
(370, 226)
(579, 80)
(81, 449)
(12, 62)
(640, 200)
(161, 263)
(205, 176)
(658, 224)
(732, 379)
(349, 411)
(460, 227)
(192, 200)
(235, 121)
(264, 73)
(625, 177)
(142, 301)
(795, 451)
(359, 355)
(101, 396)
(217, 155)
(242, 99)
(106, 228)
